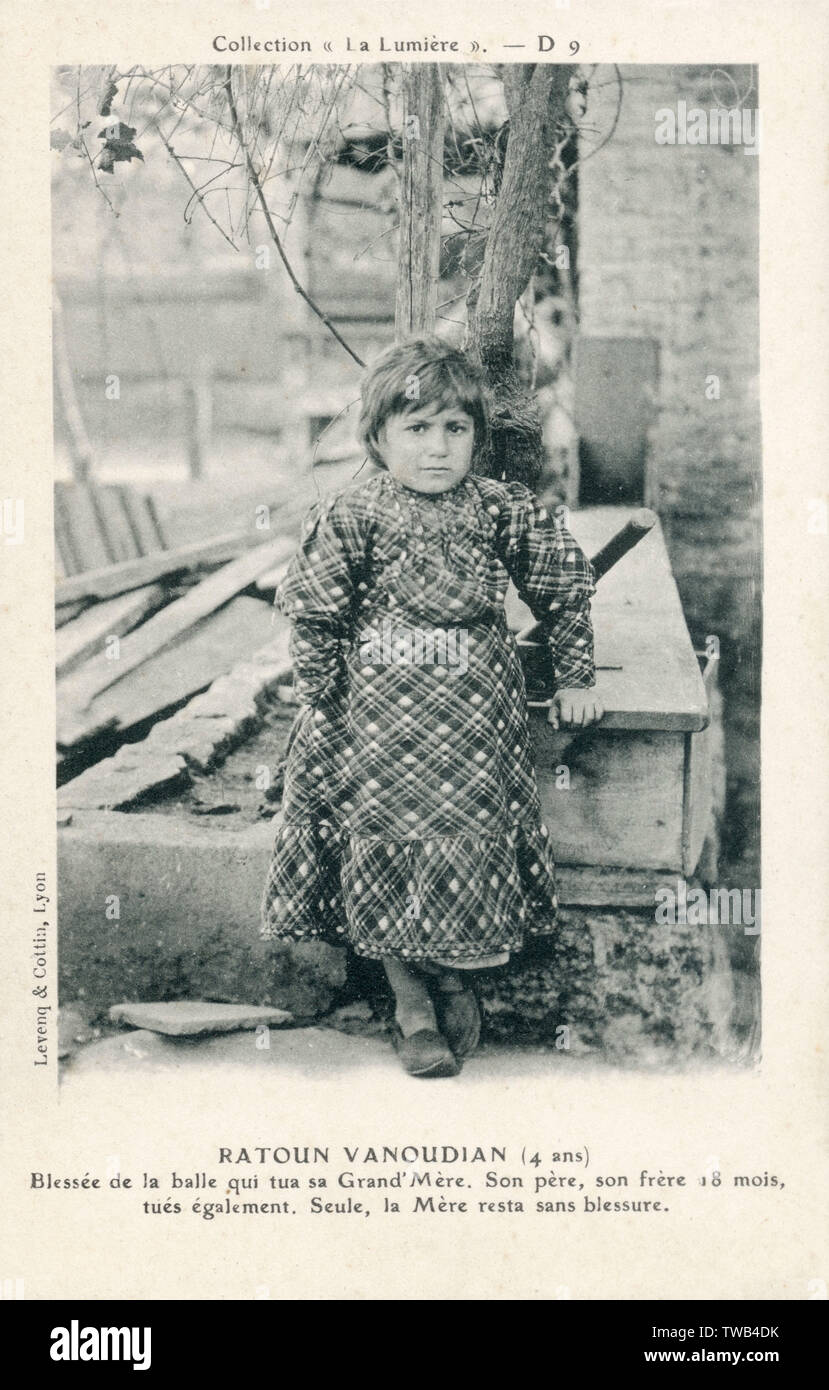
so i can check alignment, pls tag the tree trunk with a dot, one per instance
(535, 96)
(421, 200)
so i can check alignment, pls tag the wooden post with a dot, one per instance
(421, 200)
(80, 450)
(199, 388)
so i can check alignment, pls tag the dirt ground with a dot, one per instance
(247, 786)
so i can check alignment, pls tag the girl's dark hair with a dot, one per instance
(420, 372)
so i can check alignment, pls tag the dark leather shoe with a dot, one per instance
(424, 1053)
(459, 1019)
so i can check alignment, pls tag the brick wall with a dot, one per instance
(668, 249)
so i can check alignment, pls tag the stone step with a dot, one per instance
(192, 1017)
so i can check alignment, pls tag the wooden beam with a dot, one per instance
(162, 630)
(271, 580)
(67, 612)
(140, 517)
(192, 663)
(587, 885)
(116, 526)
(70, 561)
(87, 633)
(421, 200)
(134, 574)
(79, 518)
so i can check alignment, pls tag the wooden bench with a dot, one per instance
(633, 793)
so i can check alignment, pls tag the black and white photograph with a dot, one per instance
(414, 571)
(407, 528)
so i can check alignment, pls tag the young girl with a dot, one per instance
(411, 822)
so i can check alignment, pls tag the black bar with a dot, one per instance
(593, 1336)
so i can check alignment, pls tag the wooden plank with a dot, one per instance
(70, 559)
(78, 640)
(120, 538)
(181, 670)
(76, 504)
(650, 677)
(178, 616)
(659, 684)
(616, 720)
(159, 632)
(67, 612)
(586, 885)
(152, 513)
(60, 572)
(268, 581)
(134, 574)
(141, 520)
(90, 494)
(612, 799)
(698, 811)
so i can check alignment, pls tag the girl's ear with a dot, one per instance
(375, 444)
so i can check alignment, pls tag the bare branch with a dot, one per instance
(254, 178)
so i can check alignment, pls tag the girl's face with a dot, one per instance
(428, 449)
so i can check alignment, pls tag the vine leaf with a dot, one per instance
(118, 146)
(118, 132)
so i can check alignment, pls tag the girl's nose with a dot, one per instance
(440, 444)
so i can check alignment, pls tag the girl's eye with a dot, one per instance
(416, 427)
(458, 427)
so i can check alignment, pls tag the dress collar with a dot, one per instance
(458, 489)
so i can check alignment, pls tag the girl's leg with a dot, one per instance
(450, 981)
(458, 1012)
(414, 1009)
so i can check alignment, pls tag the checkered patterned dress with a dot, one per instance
(411, 821)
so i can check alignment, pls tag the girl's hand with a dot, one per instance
(575, 709)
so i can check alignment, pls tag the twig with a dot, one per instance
(197, 192)
(364, 250)
(339, 415)
(578, 162)
(254, 178)
(82, 139)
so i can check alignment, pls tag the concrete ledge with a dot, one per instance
(152, 906)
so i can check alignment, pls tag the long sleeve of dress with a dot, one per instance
(317, 594)
(554, 579)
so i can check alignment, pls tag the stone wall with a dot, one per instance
(668, 249)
